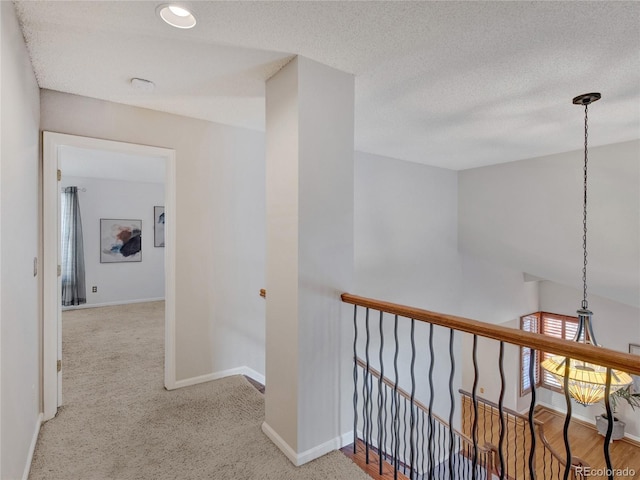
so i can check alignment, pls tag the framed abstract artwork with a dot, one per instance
(158, 226)
(120, 240)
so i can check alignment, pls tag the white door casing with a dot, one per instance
(51, 334)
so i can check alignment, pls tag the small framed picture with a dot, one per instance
(635, 349)
(120, 240)
(158, 226)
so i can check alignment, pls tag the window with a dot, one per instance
(528, 323)
(553, 325)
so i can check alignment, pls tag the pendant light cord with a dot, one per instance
(585, 305)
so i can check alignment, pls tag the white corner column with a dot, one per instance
(309, 150)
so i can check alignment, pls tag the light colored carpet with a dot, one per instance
(118, 421)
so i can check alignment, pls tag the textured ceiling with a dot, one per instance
(451, 84)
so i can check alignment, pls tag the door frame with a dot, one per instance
(51, 388)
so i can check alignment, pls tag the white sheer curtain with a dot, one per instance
(73, 282)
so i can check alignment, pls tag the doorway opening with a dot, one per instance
(125, 191)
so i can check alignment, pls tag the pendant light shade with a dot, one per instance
(586, 382)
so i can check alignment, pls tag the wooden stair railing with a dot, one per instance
(465, 445)
(614, 359)
(578, 466)
(385, 315)
(372, 467)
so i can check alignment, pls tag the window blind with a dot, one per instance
(553, 325)
(558, 326)
(529, 323)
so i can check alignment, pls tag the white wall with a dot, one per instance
(19, 288)
(495, 294)
(406, 229)
(406, 232)
(326, 249)
(528, 215)
(406, 252)
(615, 326)
(119, 282)
(310, 257)
(220, 224)
(281, 403)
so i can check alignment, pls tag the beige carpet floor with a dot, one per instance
(118, 421)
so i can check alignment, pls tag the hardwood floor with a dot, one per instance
(256, 384)
(584, 439)
(517, 440)
(588, 444)
(373, 467)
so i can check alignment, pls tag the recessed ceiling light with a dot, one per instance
(176, 16)
(179, 11)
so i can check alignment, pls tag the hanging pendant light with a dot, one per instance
(587, 381)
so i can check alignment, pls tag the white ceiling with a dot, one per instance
(451, 84)
(106, 165)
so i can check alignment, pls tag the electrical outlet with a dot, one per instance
(94, 289)
(481, 389)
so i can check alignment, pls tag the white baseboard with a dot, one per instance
(258, 377)
(32, 448)
(249, 372)
(632, 437)
(574, 414)
(589, 420)
(299, 459)
(347, 438)
(111, 304)
(280, 443)
(329, 446)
